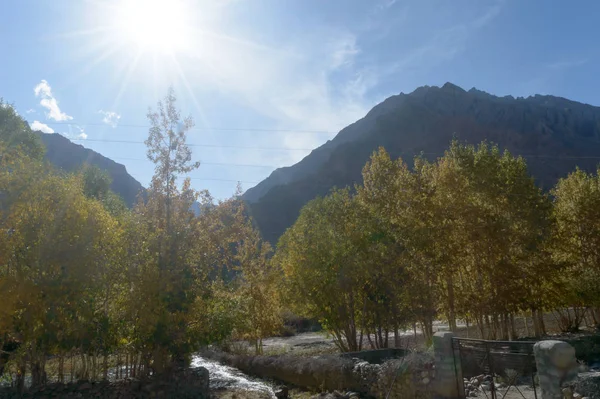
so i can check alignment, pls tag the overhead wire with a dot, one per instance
(207, 128)
(413, 152)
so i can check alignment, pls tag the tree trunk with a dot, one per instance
(541, 321)
(360, 340)
(35, 373)
(387, 334)
(451, 314)
(428, 329)
(513, 327)
(61, 368)
(480, 325)
(502, 327)
(537, 331)
(20, 380)
(370, 340)
(105, 367)
(83, 366)
(526, 324)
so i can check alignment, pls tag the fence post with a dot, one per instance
(448, 376)
(556, 365)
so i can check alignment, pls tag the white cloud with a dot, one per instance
(82, 135)
(44, 91)
(111, 118)
(42, 127)
(79, 134)
(30, 111)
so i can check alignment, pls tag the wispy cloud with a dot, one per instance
(81, 135)
(490, 14)
(44, 92)
(76, 132)
(42, 127)
(111, 118)
(325, 78)
(566, 64)
(386, 4)
(30, 111)
(343, 52)
(311, 83)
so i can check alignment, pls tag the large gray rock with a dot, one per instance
(588, 385)
(556, 366)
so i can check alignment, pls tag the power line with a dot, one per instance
(411, 152)
(206, 128)
(208, 163)
(199, 145)
(227, 180)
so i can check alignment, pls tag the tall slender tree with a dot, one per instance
(168, 210)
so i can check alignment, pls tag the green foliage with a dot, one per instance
(80, 275)
(339, 268)
(465, 236)
(576, 244)
(15, 133)
(96, 185)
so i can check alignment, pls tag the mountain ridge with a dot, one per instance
(70, 157)
(554, 134)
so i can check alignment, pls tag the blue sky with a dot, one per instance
(278, 74)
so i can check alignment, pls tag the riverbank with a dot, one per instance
(329, 373)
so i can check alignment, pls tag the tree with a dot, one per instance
(96, 185)
(323, 273)
(167, 215)
(502, 228)
(576, 244)
(472, 228)
(402, 201)
(15, 133)
(260, 315)
(56, 275)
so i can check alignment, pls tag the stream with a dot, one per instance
(228, 378)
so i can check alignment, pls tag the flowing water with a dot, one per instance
(228, 378)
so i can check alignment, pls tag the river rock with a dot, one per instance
(281, 393)
(588, 385)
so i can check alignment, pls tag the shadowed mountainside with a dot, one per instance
(554, 134)
(68, 156)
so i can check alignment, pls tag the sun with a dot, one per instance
(154, 25)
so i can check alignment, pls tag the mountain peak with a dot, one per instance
(452, 87)
(565, 134)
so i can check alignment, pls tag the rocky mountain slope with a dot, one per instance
(554, 134)
(66, 155)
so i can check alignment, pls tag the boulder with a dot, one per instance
(588, 385)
